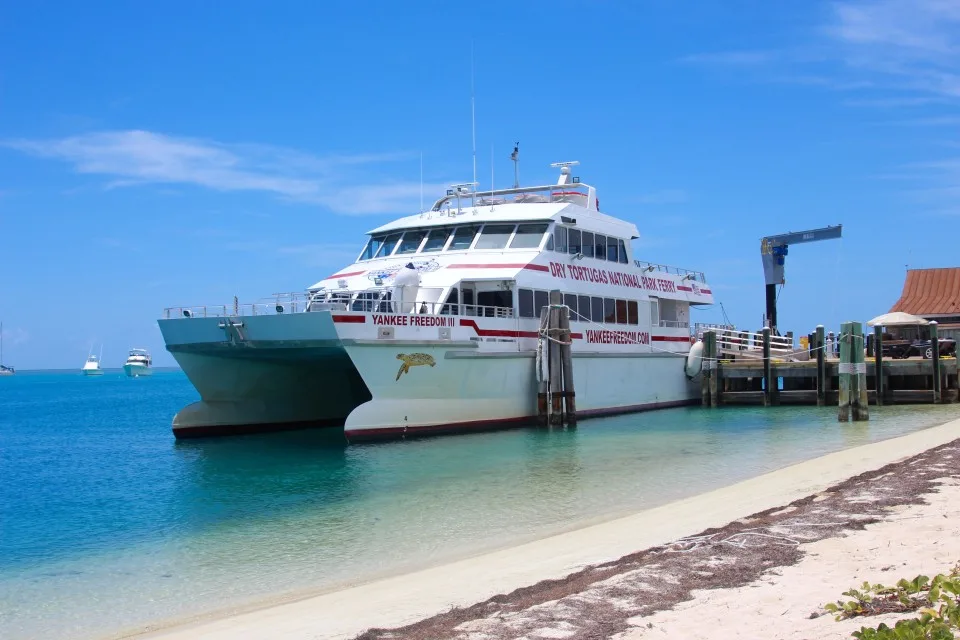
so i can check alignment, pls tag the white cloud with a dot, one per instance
(15, 336)
(131, 158)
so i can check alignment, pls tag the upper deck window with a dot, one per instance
(587, 247)
(573, 239)
(373, 246)
(560, 239)
(623, 256)
(612, 249)
(436, 240)
(388, 244)
(528, 236)
(600, 244)
(494, 236)
(411, 241)
(463, 238)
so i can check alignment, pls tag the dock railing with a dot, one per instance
(747, 345)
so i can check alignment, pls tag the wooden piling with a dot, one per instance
(543, 374)
(860, 408)
(566, 358)
(844, 369)
(878, 363)
(556, 366)
(767, 369)
(707, 366)
(935, 361)
(820, 344)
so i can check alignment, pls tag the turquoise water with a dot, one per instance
(108, 524)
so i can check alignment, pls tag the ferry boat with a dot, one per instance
(435, 327)
(138, 363)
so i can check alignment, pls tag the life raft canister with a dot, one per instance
(694, 363)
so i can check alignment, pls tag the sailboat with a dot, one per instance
(92, 366)
(4, 370)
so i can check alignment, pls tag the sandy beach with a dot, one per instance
(774, 548)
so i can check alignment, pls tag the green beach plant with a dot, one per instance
(937, 602)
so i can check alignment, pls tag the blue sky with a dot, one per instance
(182, 153)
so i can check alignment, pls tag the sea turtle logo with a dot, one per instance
(695, 287)
(414, 360)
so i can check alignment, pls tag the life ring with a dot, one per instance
(694, 363)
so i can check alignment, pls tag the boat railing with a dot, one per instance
(577, 193)
(663, 268)
(373, 300)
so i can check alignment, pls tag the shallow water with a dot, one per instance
(107, 523)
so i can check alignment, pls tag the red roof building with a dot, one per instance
(933, 294)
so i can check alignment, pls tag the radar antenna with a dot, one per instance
(515, 156)
(564, 170)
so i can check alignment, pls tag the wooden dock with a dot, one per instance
(763, 378)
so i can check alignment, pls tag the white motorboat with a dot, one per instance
(452, 296)
(92, 366)
(138, 364)
(4, 369)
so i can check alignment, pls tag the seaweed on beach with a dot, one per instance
(603, 600)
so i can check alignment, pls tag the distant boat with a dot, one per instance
(4, 370)
(138, 363)
(92, 366)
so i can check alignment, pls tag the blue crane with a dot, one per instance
(773, 251)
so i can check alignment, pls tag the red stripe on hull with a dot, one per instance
(688, 289)
(670, 338)
(706, 291)
(506, 333)
(350, 319)
(531, 267)
(399, 432)
(346, 275)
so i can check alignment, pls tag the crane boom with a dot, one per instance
(773, 251)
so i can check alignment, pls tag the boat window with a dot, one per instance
(436, 240)
(612, 249)
(525, 301)
(490, 301)
(540, 300)
(600, 242)
(609, 311)
(373, 245)
(385, 305)
(655, 312)
(573, 241)
(549, 246)
(632, 316)
(366, 301)
(560, 239)
(583, 308)
(450, 308)
(388, 244)
(596, 309)
(571, 301)
(587, 248)
(463, 237)
(494, 236)
(411, 242)
(623, 252)
(528, 236)
(622, 312)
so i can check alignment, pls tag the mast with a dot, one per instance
(1, 343)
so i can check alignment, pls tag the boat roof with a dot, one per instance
(139, 352)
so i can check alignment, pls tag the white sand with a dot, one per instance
(405, 599)
(915, 540)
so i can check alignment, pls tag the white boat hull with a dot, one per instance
(92, 372)
(137, 370)
(465, 390)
